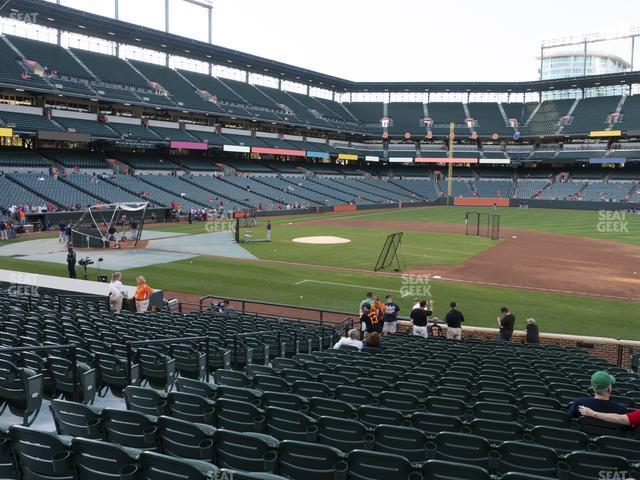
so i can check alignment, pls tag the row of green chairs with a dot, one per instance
(391, 451)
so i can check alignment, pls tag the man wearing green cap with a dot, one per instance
(602, 383)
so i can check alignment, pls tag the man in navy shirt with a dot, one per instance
(390, 316)
(602, 383)
(62, 228)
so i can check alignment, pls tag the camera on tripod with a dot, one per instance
(85, 261)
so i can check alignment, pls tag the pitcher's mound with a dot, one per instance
(321, 240)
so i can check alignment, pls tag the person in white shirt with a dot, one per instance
(116, 293)
(352, 339)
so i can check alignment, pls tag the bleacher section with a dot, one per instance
(406, 117)
(443, 113)
(77, 158)
(591, 114)
(493, 188)
(605, 192)
(488, 119)
(149, 192)
(21, 158)
(92, 127)
(459, 188)
(529, 188)
(547, 118)
(24, 122)
(14, 72)
(13, 194)
(630, 114)
(101, 188)
(111, 69)
(51, 57)
(59, 192)
(561, 191)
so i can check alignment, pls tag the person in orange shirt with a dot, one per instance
(143, 294)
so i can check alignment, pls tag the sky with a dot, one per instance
(403, 40)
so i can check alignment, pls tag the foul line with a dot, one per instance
(404, 294)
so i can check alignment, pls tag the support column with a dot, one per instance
(117, 16)
(166, 24)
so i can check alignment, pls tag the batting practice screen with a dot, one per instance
(482, 225)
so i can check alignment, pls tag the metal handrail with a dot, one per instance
(72, 347)
(170, 341)
(243, 302)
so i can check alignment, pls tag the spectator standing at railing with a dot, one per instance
(116, 292)
(143, 294)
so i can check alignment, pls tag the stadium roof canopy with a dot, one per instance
(76, 21)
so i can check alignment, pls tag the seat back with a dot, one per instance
(130, 429)
(77, 420)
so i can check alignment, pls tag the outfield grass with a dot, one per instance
(341, 290)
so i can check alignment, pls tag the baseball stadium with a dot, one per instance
(220, 265)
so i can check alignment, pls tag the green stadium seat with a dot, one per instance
(145, 400)
(354, 395)
(309, 389)
(96, 460)
(409, 442)
(372, 416)
(332, 380)
(595, 427)
(405, 402)
(366, 465)
(190, 363)
(344, 434)
(180, 438)
(434, 423)
(496, 411)
(440, 470)
(588, 465)
(39, 455)
(562, 440)
(269, 383)
(154, 466)
(374, 385)
(294, 374)
(190, 407)
(463, 448)
(239, 416)
(535, 416)
(288, 401)
(254, 452)
(112, 372)
(77, 420)
(196, 387)
(527, 458)
(289, 425)
(130, 429)
(333, 408)
(628, 448)
(446, 406)
(20, 391)
(496, 431)
(463, 394)
(158, 370)
(310, 461)
(231, 378)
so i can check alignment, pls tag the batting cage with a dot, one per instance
(391, 254)
(482, 225)
(114, 225)
(249, 227)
